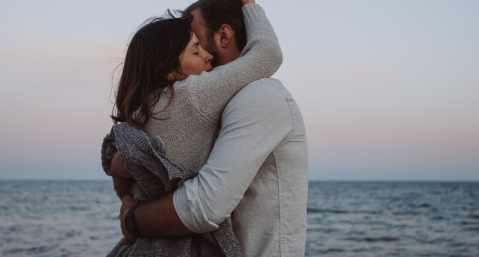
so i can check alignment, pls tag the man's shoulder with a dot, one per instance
(259, 92)
(263, 97)
(270, 85)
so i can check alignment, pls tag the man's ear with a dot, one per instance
(227, 35)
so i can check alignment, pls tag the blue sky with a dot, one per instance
(388, 89)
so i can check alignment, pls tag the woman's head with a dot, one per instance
(162, 51)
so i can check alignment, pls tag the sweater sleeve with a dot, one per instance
(261, 58)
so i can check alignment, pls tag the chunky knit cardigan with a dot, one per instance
(155, 176)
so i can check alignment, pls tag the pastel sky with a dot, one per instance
(389, 90)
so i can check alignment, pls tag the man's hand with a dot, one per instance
(127, 203)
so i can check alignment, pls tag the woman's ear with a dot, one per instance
(227, 35)
(171, 76)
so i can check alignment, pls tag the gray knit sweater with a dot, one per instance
(186, 131)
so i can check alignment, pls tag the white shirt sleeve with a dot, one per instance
(255, 122)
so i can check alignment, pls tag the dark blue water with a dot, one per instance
(393, 219)
(344, 219)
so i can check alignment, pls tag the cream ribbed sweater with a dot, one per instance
(189, 125)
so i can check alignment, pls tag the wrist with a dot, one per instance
(130, 221)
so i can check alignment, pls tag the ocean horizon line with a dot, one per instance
(310, 180)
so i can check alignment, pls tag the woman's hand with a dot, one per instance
(118, 168)
(248, 2)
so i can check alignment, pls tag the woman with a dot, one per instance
(169, 90)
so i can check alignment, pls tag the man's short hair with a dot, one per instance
(219, 12)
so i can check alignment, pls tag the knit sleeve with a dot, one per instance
(261, 58)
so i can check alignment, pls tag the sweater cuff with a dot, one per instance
(190, 210)
(253, 13)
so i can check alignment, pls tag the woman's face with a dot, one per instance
(194, 59)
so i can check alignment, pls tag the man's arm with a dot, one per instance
(155, 218)
(255, 122)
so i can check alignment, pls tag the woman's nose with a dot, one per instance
(209, 58)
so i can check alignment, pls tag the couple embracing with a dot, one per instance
(208, 153)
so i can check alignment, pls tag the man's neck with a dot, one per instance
(229, 56)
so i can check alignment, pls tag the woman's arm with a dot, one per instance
(121, 186)
(261, 58)
(121, 177)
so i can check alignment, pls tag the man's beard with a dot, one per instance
(215, 62)
(213, 50)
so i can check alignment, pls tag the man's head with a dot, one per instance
(219, 26)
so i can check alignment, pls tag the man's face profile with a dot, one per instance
(199, 27)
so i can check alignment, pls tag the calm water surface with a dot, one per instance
(344, 219)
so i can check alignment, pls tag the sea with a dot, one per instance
(80, 218)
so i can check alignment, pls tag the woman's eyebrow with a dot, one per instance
(195, 44)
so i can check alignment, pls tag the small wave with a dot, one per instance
(31, 250)
(323, 230)
(469, 223)
(311, 210)
(474, 217)
(373, 239)
(75, 208)
(366, 249)
(332, 250)
(406, 213)
(424, 205)
(14, 228)
(476, 229)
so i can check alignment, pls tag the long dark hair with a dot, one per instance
(153, 53)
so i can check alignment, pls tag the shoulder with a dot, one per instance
(261, 91)
(264, 97)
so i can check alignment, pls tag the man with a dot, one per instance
(257, 170)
